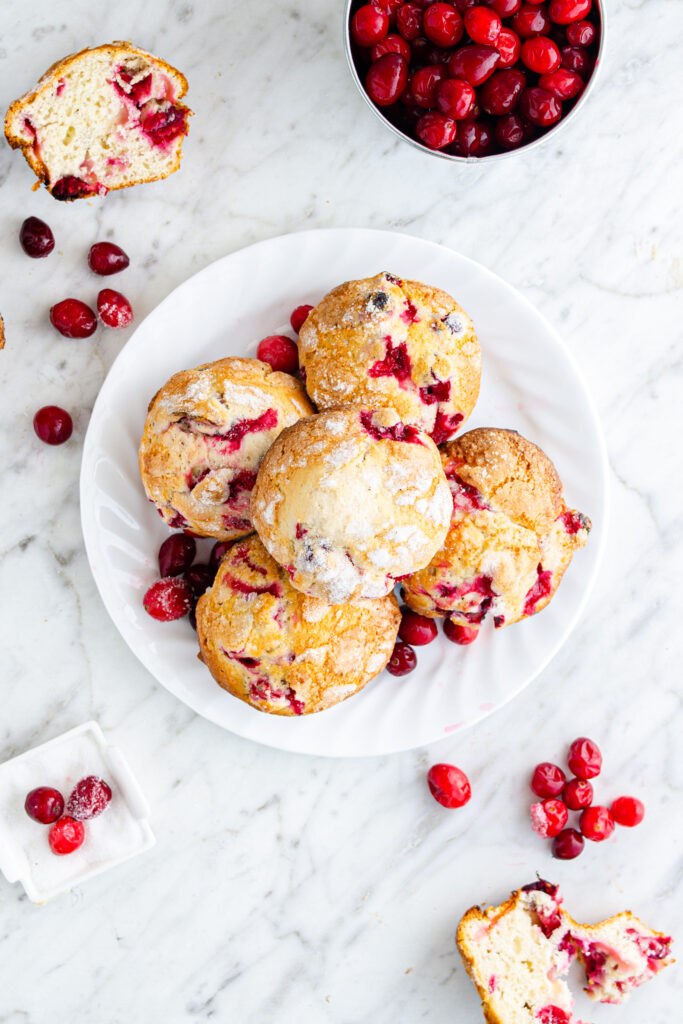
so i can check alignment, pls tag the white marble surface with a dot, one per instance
(285, 888)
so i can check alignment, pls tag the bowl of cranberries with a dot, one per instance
(474, 78)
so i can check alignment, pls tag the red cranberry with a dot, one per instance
(167, 599)
(475, 138)
(369, 25)
(106, 258)
(403, 659)
(416, 629)
(531, 21)
(437, 55)
(509, 47)
(563, 12)
(540, 106)
(73, 318)
(280, 352)
(392, 44)
(628, 811)
(176, 554)
(409, 21)
(443, 24)
(200, 577)
(581, 33)
(386, 79)
(65, 836)
(458, 634)
(455, 98)
(53, 425)
(505, 8)
(387, 6)
(549, 818)
(436, 130)
(541, 55)
(217, 552)
(44, 804)
(585, 759)
(501, 93)
(36, 238)
(576, 59)
(449, 785)
(567, 844)
(114, 308)
(596, 823)
(483, 25)
(463, 5)
(88, 798)
(562, 83)
(578, 794)
(424, 83)
(474, 63)
(548, 780)
(509, 131)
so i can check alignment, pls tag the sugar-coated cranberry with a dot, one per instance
(500, 94)
(581, 33)
(403, 659)
(200, 577)
(53, 425)
(44, 805)
(509, 47)
(36, 238)
(563, 12)
(443, 25)
(416, 629)
(541, 55)
(176, 554)
(167, 599)
(596, 823)
(578, 794)
(549, 818)
(457, 634)
(106, 258)
(510, 131)
(392, 44)
(628, 811)
(540, 106)
(475, 63)
(475, 138)
(73, 318)
(585, 759)
(530, 21)
(386, 79)
(505, 8)
(66, 835)
(89, 798)
(455, 98)
(280, 352)
(409, 21)
(424, 83)
(547, 780)
(576, 59)
(114, 308)
(217, 552)
(436, 130)
(562, 83)
(369, 25)
(483, 25)
(568, 844)
(449, 785)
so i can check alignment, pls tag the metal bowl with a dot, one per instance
(350, 6)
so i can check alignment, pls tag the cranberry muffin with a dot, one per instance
(206, 432)
(384, 342)
(350, 500)
(511, 536)
(281, 651)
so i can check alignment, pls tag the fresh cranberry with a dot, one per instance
(501, 93)
(581, 33)
(217, 553)
(437, 55)
(628, 811)
(578, 794)
(200, 577)
(547, 780)
(463, 5)
(114, 308)
(443, 24)
(585, 759)
(36, 238)
(596, 823)
(369, 25)
(541, 108)
(89, 798)
(176, 554)
(475, 138)
(505, 8)
(435, 129)
(280, 352)
(392, 44)
(44, 804)
(567, 844)
(167, 599)
(474, 63)
(416, 629)
(562, 83)
(457, 634)
(509, 47)
(409, 21)
(530, 21)
(541, 55)
(549, 818)
(483, 25)
(387, 6)
(53, 425)
(403, 659)
(563, 12)
(386, 79)
(424, 83)
(73, 318)
(66, 835)
(510, 131)
(576, 59)
(455, 98)
(106, 258)
(449, 785)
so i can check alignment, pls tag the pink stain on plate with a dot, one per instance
(487, 707)
(452, 728)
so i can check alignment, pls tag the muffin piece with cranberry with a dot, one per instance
(385, 342)
(511, 536)
(101, 119)
(206, 432)
(283, 652)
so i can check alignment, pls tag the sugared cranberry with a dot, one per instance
(457, 634)
(44, 804)
(73, 318)
(36, 238)
(563, 12)
(628, 811)
(475, 138)
(416, 629)
(176, 554)
(547, 780)
(89, 798)
(585, 759)
(66, 835)
(541, 55)
(509, 47)
(409, 21)
(483, 25)
(540, 106)
(403, 659)
(530, 21)
(280, 352)
(549, 818)
(424, 83)
(581, 33)
(568, 844)
(392, 44)
(474, 63)
(443, 24)
(576, 59)
(217, 552)
(386, 79)
(106, 258)
(501, 93)
(200, 577)
(53, 425)
(578, 794)
(562, 83)
(369, 25)
(436, 130)
(167, 599)
(510, 131)
(449, 785)
(505, 8)
(114, 308)
(596, 823)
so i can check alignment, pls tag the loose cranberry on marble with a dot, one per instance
(449, 785)
(53, 425)
(73, 318)
(597, 824)
(424, 83)
(176, 554)
(510, 131)
(386, 79)
(563, 12)
(89, 798)
(578, 794)
(475, 138)
(66, 835)
(584, 759)
(168, 599)
(280, 352)
(576, 59)
(541, 55)
(475, 63)
(403, 659)
(540, 107)
(455, 98)
(509, 47)
(581, 33)
(549, 818)
(416, 629)
(501, 93)
(568, 844)
(409, 21)
(457, 634)
(443, 24)
(530, 21)
(36, 238)
(562, 83)
(483, 25)
(548, 780)
(628, 811)
(114, 308)
(436, 130)
(106, 258)
(44, 805)
(369, 25)
(392, 44)
(505, 8)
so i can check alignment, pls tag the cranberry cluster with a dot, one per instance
(417, 631)
(560, 796)
(88, 799)
(475, 77)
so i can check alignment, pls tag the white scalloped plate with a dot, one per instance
(530, 383)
